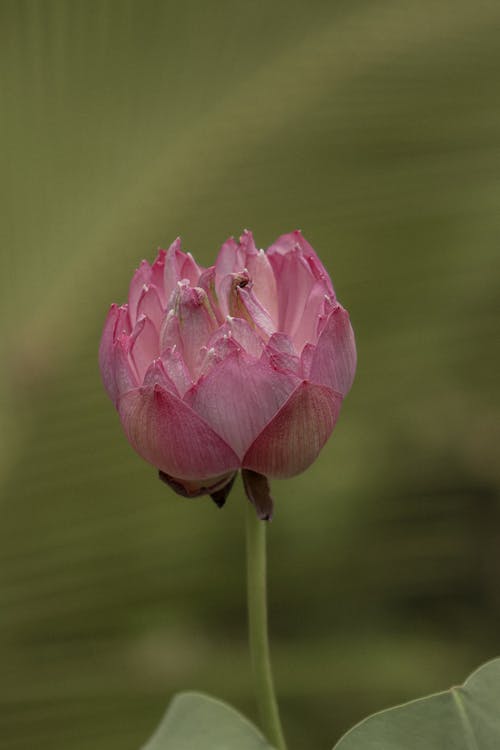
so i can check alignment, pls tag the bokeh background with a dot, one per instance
(372, 125)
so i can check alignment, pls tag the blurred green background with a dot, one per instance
(374, 126)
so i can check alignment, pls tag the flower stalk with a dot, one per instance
(258, 630)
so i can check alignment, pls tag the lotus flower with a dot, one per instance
(243, 365)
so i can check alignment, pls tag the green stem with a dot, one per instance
(257, 623)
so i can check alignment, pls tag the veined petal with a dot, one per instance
(165, 431)
(145, 346)
(264, 283)
(295, 282)
(176, 369)
(190, 270)
(177, 267)
(150, 306)
(307, 331)
(158, 276)
(239, 397)
(294, 437)
(106, 352)
(334, 360)
(281, 354)
(207, 281)
(157, 375)
(296, 241)
(231, 259)
(247, 245)
(196, 323)
(244, 334)
(238, 300)
(124, 371)
(141, 278)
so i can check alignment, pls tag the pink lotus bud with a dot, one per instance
(243, 365)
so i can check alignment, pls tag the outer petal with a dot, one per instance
(124, 370)
(334, 360)
(294, 437)
(239, 397)
(140, 279)
(166, 432)
(106, 352)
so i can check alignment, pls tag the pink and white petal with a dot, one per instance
(124, 371)
(264, 283)
(238, 397)
(296, 241)
(245, 335)
(292, 440)
(158, 275)
(307, 329)
(106, 351)
(207, 281)
(294, 281)
(176, 369)
(190, 270)
(281, 354)
(242, 303)
(150, 306)
(174, 259)
(122, 322)
(230, 259)
(334, 360)
(306, 360)
(196, 323)
(247, 245)
(220, 347)
(141, 278)
(170, 333)
(145, 346)
(157, 375)
(282, 343)
(167, 433)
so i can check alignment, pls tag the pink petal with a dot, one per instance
(196, 323)
(280, 353)
(307, 328)
(190, 270)
(243, 333)
(295, 436)
(295, 241)
(295, 282)
(158, 275)
(334, 360)
(207, 281)
(238, 397)
(125, 374)
(150, 306)
(106, 352)
(264, 283)
(145, 346)
(157, 375)
(236, 298)
(247, 244)
(178, 266)
(141, 278)
(166, 432)
(231, 259)
(176, 369)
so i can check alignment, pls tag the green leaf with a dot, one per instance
(462, 718)
(197, 722)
